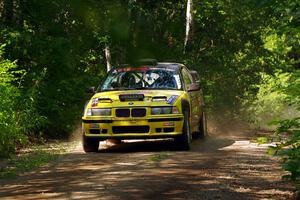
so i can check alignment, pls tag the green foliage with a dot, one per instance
(62, 56)
(272, 100)
(59, 58)
(276, 43)
(279, 90)
(288, 149)
(228, 52)
(18, 115)
(10, 134)
(262, 140)
(278, 98)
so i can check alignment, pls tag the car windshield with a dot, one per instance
(142, 78)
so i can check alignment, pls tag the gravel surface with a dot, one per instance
(221, 167)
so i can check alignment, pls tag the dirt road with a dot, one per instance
(221, 167)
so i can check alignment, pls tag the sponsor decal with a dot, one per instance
(94, 125)
(168, 124)
(172, 99)
(94, 102)
(131, 97)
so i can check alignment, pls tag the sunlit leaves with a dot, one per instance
(278, 44)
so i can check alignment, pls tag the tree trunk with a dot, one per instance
(1, 9)
(188, 26)
(108, 57)
(16, 12)
(133, 13)
(10, 12)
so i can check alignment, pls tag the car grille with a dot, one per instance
(138, 112)
(130, 129)
(122, 112)
(134, 112)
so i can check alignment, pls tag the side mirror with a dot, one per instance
(195, 76)
(193, 87)
(91, 90)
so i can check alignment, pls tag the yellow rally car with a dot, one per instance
(161, 100)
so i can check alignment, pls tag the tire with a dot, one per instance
(89, 144)
(203, 126)
(185, 140)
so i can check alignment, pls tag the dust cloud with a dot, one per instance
(219, 124)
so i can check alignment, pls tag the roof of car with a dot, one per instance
(168, 64)
(154, 65)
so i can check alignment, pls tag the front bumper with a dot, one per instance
(133, 128)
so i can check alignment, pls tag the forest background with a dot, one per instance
(247, 53)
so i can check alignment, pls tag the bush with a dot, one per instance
(273, 100)
(18, 117)
(10, 135)
(278, 99)
(288, 148)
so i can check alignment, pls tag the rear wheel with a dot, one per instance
(185, 140)
(202, 131)
(203, 126)
(89, 144)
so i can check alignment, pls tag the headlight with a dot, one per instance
(164, 110)
(98, 112)
(88, 112)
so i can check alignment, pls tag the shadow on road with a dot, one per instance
(214, 169)
(128, 146)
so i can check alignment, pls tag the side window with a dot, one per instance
(186, 77)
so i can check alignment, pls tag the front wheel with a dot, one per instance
(185, 140)
(89, 144)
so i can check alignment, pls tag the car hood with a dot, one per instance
(151, 97)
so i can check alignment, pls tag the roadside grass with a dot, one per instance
(32, 158)
(158, 157)
(23, 163)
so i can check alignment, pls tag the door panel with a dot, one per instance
(195, 97)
